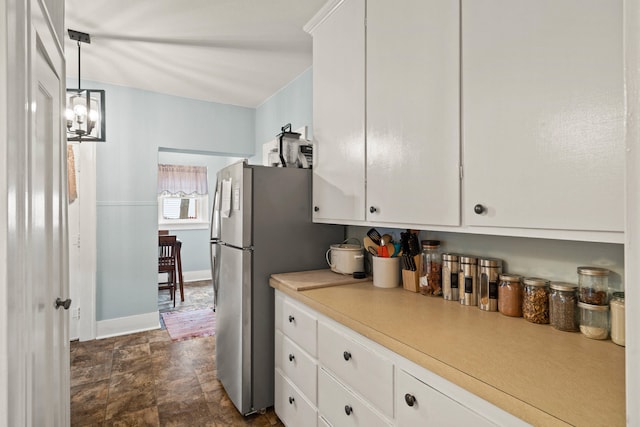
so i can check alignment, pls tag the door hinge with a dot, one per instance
(461, 173)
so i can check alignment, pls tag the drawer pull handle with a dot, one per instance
(410, 399)
(348, 410)
(291, 400)
(291, 319)
(291, 357)
(346, 356)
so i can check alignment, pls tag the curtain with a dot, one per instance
(182, 180)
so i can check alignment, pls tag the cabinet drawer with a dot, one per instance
(300, 326)
(362, 369)
(297, 365)
(290, 406)
(419, 404)
(341, 407)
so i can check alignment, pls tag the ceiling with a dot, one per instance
(237, 52)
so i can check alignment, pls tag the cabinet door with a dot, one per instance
(413, 97)
(419, 404)
(542, 95)
(338, 114)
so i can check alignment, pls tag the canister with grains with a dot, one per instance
(450, 272)
(617, 318)
(563, 306)
(510, 295)
(488, 277)
(468, 279)
(594, 320)
(535, 301)
(593, 284)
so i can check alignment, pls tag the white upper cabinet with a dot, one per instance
(542, 91)
(413, 141)
(338, 114)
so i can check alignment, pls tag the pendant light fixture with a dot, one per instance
(85, 107)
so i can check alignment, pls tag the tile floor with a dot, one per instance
(145, 379)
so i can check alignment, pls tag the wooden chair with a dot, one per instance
(163, 232)
(167, 263)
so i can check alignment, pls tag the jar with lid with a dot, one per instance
(488, 278)
(593, 284)
(563, 306)
(617, 318)
(468, 279)
(450, 272)
(594, 320)
(535, 300)
(431, 272)
(510, 295)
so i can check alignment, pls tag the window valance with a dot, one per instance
(182, 180)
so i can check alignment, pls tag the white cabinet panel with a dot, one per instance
(542, 95)
(362, 369)
(300, 326)
(420, 405)
(413, 141)
(341, 407)
(292, 408)
(297, 366)
(338, 114)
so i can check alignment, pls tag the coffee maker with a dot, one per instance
(294, 152)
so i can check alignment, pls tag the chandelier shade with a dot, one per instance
(85, 112)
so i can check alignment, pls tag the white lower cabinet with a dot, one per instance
(292, 407)
(355, 381)
(420, 405)
(341, 407)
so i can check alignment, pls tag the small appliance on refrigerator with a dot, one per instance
(261, 224)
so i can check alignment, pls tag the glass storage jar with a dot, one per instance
(563, 306)
(594, 320)
(617, 318)
(450, 272)
(468, 279)
(510, 295)
(593, 284)
(488, 278)
(535, 300)
(431, 272)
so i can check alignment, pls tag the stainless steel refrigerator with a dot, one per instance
(261, 224)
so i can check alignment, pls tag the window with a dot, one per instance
(183, 200)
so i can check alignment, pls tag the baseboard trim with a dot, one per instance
(189, 276)
(127, 325)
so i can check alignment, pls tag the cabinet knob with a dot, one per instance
(291, 400)
(346, 355)
(291, 357)
(291, 319)
(479, 209)
(348, 410)
(372, 209)
(316, 208)
(409, 399)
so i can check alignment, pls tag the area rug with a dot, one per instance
(183, 325)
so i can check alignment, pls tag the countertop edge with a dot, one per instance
(491, 394)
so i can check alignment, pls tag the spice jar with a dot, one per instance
(594, 320)
(430, 275)
(563, 306)
(593, 284)
(488, 277)
(535, 300)
(510, 295)
(617, 318)
(468, 280)
(450, 272)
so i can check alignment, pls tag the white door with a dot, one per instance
(47, 276)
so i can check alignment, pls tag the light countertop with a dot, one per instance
(535, 372)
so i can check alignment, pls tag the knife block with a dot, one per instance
(411, 279)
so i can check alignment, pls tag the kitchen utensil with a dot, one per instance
(391, 249)
(373, 251)
(374, 236)
(368, 242)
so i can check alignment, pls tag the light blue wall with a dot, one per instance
(291, 104)
(139, 124)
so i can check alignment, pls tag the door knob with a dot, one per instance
(372, 209)
(60, 303)
(291, 400)
(348, 409)
(291, 319)
(316, 208)
(409, 399)
(291, 357)
(479, 209)
(346, 355)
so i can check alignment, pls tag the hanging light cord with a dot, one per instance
(78, 66)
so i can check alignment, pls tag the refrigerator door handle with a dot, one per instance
(215, 269)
